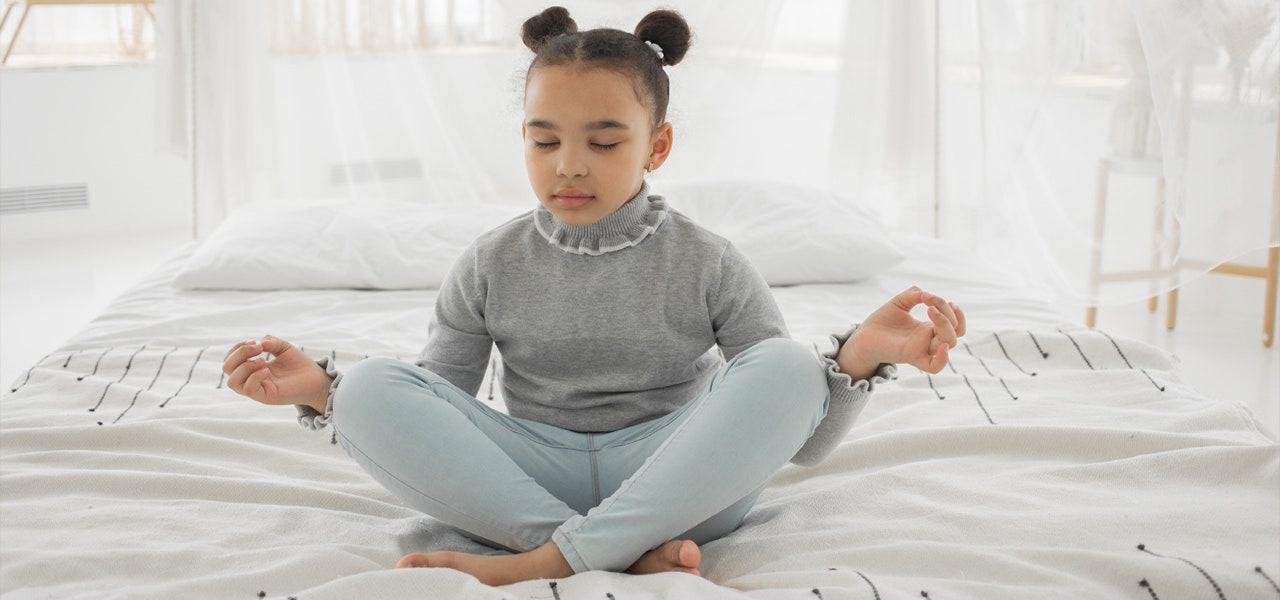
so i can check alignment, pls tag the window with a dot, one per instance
(308, 27)
(76, 34)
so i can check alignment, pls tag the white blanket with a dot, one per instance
(1047, 461)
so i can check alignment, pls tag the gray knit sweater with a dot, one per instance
(611, 324)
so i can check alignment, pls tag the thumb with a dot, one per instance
(908, 298)
(275, 345)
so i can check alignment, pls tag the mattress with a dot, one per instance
(1047, 460)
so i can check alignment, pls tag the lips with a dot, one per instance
(572, 198)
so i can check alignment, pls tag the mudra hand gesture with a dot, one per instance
(892, 335)
(289, 377)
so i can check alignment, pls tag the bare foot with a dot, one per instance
(676, 556)
(546, 562)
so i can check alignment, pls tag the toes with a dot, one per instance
(681, 555)
(688, 555)
(677, 556)
(412, 561)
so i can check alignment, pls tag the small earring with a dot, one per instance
(649, 167)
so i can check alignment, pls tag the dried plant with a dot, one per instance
(1239, 27)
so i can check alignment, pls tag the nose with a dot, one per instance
(570, 163)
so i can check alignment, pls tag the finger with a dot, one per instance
(254, 385)
(237, 378)
(942, 305)
(939, 359)
(234, 347)
(240, 353)
(943, 330)
(935, 362)
(960, 322)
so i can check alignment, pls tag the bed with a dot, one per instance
(1048, 460)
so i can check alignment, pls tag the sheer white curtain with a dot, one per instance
(981, 121)
(296, 99)
(1038, 100)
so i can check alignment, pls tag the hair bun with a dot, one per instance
(542, 27)
(668, 30)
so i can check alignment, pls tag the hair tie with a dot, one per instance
(656, 48)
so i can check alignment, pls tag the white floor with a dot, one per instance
(1218, 339)
(49, 290)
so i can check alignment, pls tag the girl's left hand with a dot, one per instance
(892, 335)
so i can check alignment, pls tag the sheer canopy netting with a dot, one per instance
(987, 122)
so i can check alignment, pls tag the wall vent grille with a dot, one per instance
(43, 198)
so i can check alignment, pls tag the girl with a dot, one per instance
(628, 443)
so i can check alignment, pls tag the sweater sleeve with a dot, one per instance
(847, 399)
(458, 340)
(307, 416)
(742, 309)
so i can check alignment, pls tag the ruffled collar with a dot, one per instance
(623, 228)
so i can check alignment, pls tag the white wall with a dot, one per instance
(91, 125)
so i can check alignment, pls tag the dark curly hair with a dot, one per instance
(555, 40)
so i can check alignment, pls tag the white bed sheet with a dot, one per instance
(1049, 461)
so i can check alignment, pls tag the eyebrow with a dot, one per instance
(592, 126)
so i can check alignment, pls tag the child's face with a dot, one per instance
(587, 141)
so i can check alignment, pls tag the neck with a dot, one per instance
(634, 221)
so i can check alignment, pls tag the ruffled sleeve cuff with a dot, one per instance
(307, 416)
(846, 400)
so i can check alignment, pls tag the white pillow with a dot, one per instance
(319, 244)
(792, 234)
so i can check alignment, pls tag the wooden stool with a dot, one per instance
(1148, 166)
(1267, 273)
(1152, 167)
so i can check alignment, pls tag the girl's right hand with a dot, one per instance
(290, 377)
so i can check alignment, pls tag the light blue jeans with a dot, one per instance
(603, 498)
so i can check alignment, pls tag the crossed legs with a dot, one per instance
(638, 499)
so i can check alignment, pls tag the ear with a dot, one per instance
(660, 148)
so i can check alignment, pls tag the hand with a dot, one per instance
(291, 377)
(892, 335)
